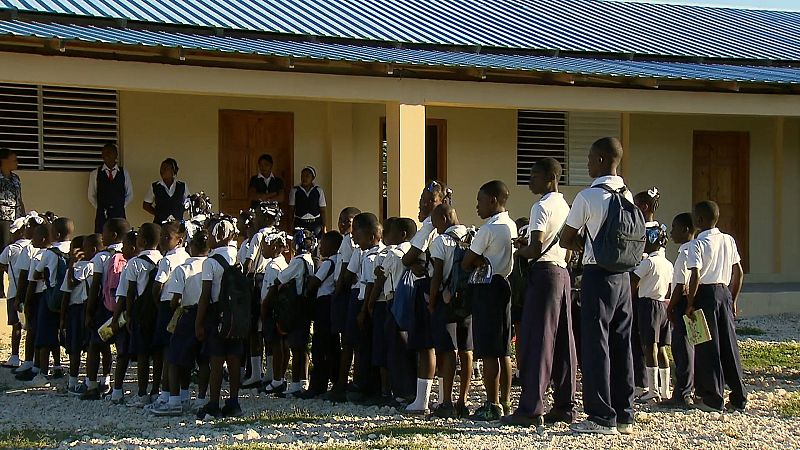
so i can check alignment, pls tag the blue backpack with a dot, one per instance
(403, 305)
(460, 306)
(52, 294)
(619, 243)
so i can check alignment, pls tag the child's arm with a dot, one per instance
(158, 288)
(131, 292)
(22, 289)
(176, 301)
(345, 280)
(272, 291)
(737, 279)
(634, 285)
(202, 308)
(91, 301)
(371, 295)
(436, 283)
(322, 218)
(149, 208)
(365, 308)
(570, 239)
(472, 261)
(534, 248)
(64, 305)
(694, 284)
(677, 295)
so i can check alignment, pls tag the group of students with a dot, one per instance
(396, 304)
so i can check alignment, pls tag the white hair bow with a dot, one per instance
(653, 192)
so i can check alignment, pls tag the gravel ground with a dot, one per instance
(317, 424)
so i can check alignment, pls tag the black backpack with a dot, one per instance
(145, 307)
(235, 301)
(292, 310)
(52, 295)
(619, 243)
(460, 306)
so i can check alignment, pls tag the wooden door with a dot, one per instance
(243, 137)
(721, 172)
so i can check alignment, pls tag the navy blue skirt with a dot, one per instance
(491, 318)
(183, 345)
(380, 344)
(352, 334)
(77, 334)
(161, 336)
(420, 336)
(141, 342)
(46, 326)
(339, 306)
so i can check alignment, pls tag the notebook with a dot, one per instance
(697, 331)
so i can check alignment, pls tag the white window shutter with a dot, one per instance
(584, 129)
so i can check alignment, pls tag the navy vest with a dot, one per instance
(165, 205)
(306, 203)
(111, 193)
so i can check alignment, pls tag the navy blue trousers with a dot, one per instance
(607, 368)
(401, 361)
(547, 347)
(636, 348)
(717, 361)
(682, 354)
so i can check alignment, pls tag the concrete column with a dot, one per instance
(341, 151)
(777, 196)
(405, 133)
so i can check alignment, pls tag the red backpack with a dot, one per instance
(114, 267)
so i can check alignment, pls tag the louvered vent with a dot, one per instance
(19, 122)
(584, 129)
(540, 134)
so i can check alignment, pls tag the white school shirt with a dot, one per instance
(444, 247)
(150, 196)
(344, 254)
(114, 170)
(548, 216)
(49, 261)
(10, 257)
(493, 242)
(138, 269)
(122, 288)
(366, 269)
(274, 267)
(212, 270)
(187, 280)
(36, 258)
(299, 266)
(244, 251)
(322, 203)
(166, 266)
(354, 266)
(393, 267)
(713, 254)
(325, 275)
(422, 240)
(681, 274)
(24, 261)
(590, 209)
(82, 272)
(655, 276)
(258, 264)
(101, 259)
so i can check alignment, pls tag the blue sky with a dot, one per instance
(789, 5)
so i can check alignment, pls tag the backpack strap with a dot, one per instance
(610, 190)
(59, 254)
(330, 272)
(147, 258)
(221, 260)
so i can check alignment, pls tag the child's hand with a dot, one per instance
(115, 326)
(62, 325)
(690, 312)
(378, 271)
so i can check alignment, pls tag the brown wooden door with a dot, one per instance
(721, 173)
(243, 137)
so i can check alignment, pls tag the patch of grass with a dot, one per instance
(790, 406)
(764, 356)
(745, 330)
(272, 418)
(408, 430)
(30, 438)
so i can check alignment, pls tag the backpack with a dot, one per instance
(460, 306)
(291, 310)
(235, 301)
(518, 279)
(145, 308)
(619, 243)
(52, 294)
(111, 276)
(403, 305)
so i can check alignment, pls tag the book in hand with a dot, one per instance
(105, 330)
(697, 331)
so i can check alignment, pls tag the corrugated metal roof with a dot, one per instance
(404, 56)
(567, 25)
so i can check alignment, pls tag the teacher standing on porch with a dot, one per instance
(110, 188)
(11, 206)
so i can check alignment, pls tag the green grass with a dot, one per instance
(790, 407)
(408, 430)
(272, 418)
(764, 356)
(745, 330)
(30, 438)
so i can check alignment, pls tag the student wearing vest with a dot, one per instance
(265, 186)
(110, 188)
(307, 203)
(606, 310)
(165, 199)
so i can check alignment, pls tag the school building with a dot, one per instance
(380, 96)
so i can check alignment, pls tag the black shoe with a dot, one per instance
(356, 397)
(556, 416)
(269, 389)
(489, 412)
(677, 403)
(254, 385)
(518, 420)
(232, 409)
(57, 373)
(25, 375)
(445, 411)
(462, 412)
(334, 396)
(732, 407)
(209, 410)
(105, 390)
(91, 394)
(308, 394)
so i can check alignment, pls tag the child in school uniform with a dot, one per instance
(451, 339)
(166, 198)
(492, 251)
(141, 324)
(651, 282)
(30, 298)
(73, 305)
(47, 327)
(272, 247)
(219, 349)
(185, 287)
(97, 309)
(714, 286)
(325, 346)
(682, 233)
(8, 259)
(307, 203)
(173, 237)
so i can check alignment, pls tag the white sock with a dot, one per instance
(185, 394)
(174, 400)
(116, 394)
(72, 382)
(423, 395)
(651, 377)
(255, 362)
(270, 373)
(440, 380)
(664, 381)
(106, 380)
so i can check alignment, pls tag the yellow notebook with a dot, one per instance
(697, 330)
(105, 330)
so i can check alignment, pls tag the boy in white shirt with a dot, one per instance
(344, 283)
(273, 247)
(682, 233)
(30, 298)
(545, 342)
(8, 258)
(714, 286)
(492, 250)
(651, 282)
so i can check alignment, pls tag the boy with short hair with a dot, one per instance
(8, 258)
(492, 251)
(367, 236)
(40, 240)
(714, 286)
